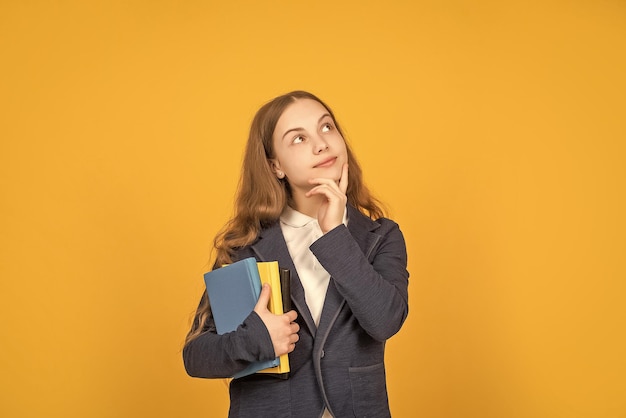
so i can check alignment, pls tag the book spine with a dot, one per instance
(285, 288)
(255, 280)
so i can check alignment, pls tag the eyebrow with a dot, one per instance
(301, 129)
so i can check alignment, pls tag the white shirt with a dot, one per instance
(300, 231)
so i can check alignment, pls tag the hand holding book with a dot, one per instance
(282, 328)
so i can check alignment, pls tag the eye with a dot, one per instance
(327, 127)
(298, 139)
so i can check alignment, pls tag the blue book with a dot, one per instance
(233, 292)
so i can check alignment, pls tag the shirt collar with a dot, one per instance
(296, 219)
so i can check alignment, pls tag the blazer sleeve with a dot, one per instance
(376, 290)
(212, 355)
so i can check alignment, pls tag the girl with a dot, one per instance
(301, 201)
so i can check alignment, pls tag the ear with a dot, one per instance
(275, 165)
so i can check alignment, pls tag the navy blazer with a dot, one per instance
(338, 364)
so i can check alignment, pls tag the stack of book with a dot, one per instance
(233, 292)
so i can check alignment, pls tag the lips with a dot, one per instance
(326, 163)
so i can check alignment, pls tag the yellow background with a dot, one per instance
(494, 130)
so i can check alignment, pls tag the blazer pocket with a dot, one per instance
(369, 391)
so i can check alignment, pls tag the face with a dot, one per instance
(307, 145)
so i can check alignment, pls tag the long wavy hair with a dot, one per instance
(261, 197)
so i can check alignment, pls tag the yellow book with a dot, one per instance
(270, 273)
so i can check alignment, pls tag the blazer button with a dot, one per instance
(322, 355)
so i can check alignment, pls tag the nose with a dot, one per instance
(319, 145)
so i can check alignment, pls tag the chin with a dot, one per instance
(335, 175)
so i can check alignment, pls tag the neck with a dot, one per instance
(306, 205)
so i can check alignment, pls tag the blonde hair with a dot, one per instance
(261, 196)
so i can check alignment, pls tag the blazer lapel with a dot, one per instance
(362, 229)
(271, 246)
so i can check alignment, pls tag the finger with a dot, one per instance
(295, 328)
(264, 299)
(343, 181)
(292, 315)
(328, 190)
